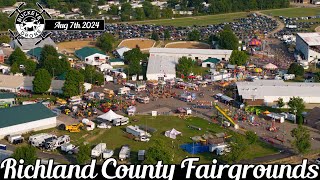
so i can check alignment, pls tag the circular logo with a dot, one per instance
(30, 23)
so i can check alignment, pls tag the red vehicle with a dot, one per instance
(104, 109)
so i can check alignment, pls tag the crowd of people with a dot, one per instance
(245, 29)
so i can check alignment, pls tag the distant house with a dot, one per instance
(28, 44)
(1, 56)
(120, 51)
(116, 62)
(17, 83)
(92, 56)
(210, 62)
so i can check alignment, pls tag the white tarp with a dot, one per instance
(172, 133)
(110, 115)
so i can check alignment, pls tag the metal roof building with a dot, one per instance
(269, 91)
(309, 45)
(26, 118)
(162, 61)
(28, 44)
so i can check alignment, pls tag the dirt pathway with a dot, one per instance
(280, 24)
(317, 29)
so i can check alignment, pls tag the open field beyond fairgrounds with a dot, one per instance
(115, 137)
(188, 44)
(71, 46)
(133, 43)
(293, 12)
(196, 20)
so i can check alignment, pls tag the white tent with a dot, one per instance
(172, 133)
(270, 66)
(104, 67)
(109, 116)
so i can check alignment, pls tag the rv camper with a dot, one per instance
(120, 121)
(107, 154)
(137, 132)
(124, 152)
(38, 140)
(98, 150)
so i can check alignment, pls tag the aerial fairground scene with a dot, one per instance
(102, 83)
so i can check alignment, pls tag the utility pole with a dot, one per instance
(53, 73)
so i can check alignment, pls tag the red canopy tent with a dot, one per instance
(255, 42)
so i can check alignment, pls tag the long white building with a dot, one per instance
(162, 61)
(266, 92)
(309, 45)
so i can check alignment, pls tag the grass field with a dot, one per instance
(71, 46)
(293, 12)
(188, 45)
(115, 137)
(196, 20)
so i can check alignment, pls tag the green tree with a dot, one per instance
(134, 55)
(85, 8)
(6, 23)
(114, 10)
(17, 56)
(30, 67)
(158, 151)
(84, 154)
(101, 2)
(4, 39)
(194, 35)
(302, 141)
(55, 66)
(27, 153)
(126, 11)
(15, 68)
(134, 67)
(185, 65)
(296, 105)
(280, 103)
(238, 147)
(46, 51)
(238, 58)
(252, 137)
(139, 14)
(228, 40)
(167, 34)
(41, 81)
(167, 13)
(92, 76)
(73, 85)
(105, 42)
(296, 69)
(155, 36)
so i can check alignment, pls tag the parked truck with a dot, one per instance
(69, 148)
(124, 152)
(15, 139)
(98, 150)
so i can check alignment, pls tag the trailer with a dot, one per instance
(38, 140)
(120, 121)
(136, 131)
(141, 155)
(98, 150)
(108, 153)
(124, 152)
(15, 139)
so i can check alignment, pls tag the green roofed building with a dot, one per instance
(210, 62)
(36, 53)
(92, 56)
(116, 62)
(26, 118)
